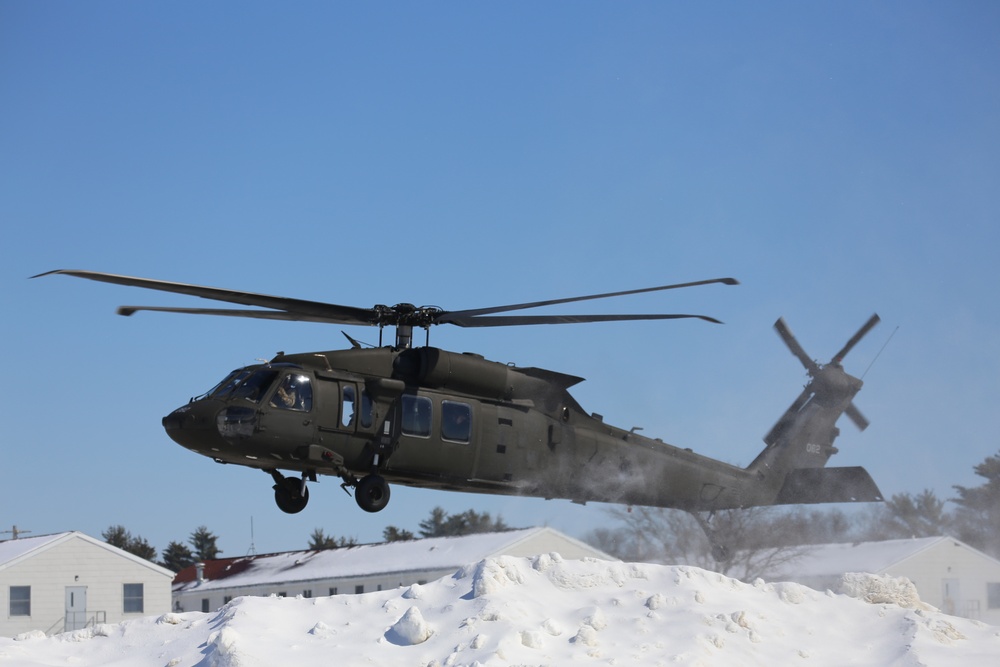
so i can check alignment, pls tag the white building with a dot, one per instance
(359, 569)
(68, 581)
(948, 574)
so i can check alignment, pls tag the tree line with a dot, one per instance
(176, 556)
(202, 541)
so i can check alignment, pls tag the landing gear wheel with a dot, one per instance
(291, 495)
(372, 493)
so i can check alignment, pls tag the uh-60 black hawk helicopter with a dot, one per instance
(426, 417)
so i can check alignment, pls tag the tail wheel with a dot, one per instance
(372, 493)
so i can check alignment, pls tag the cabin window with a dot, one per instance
(416, 415)
(456, 421)
(133, 598)
(348, 407)
(294, 392)
(366, 410)
(20, 600)
(349, 395)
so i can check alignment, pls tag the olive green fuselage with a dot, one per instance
(429, 418)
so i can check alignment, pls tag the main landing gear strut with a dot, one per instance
(720, 552)
(291, 494)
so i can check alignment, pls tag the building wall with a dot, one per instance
(953, 578)
(550, 541)
(195, 599)
(213, 595)
(77, 562)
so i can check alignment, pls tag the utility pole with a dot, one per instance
(15, 531)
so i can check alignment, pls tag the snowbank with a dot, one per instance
(537, 611)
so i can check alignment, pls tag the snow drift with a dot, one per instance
(542, 611)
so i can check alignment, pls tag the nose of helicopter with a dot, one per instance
(193, 425)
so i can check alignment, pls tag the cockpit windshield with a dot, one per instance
(228, 384)
(245, 383)
(255, 386)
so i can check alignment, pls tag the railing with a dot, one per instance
(77, 620)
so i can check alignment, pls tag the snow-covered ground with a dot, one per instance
(543, 611)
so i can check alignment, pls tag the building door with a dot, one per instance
(76, 607)
(951, 597)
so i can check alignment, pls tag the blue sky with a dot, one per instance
(839, 159)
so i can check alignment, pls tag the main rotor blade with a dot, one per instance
(793, 345)
(319, 311)
(283, 315)
(865, 328)
(461, 314)
(522, 320)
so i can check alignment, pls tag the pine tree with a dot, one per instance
(442, 524)
(177, 556)
(979, 508)
(119, 536)
(318, 541)
(203, 542)
(922, 515)
(393, 534)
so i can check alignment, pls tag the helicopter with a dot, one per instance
(426, 417)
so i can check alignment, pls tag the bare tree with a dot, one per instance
(759, 539)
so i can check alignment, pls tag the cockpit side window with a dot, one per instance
(294, 392)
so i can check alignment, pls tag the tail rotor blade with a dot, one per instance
(865, 328)
(793, 345)
(855, 415)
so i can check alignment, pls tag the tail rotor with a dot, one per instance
(829, 384)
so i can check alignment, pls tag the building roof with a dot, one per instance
(13, 552)
(873, 557)
(429, 554)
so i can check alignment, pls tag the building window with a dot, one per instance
(132, 595)
(204, 605)
(333, 590)
(993, 596)
(307, 593)
(20, 600)
(359, 589)
(227, 599)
